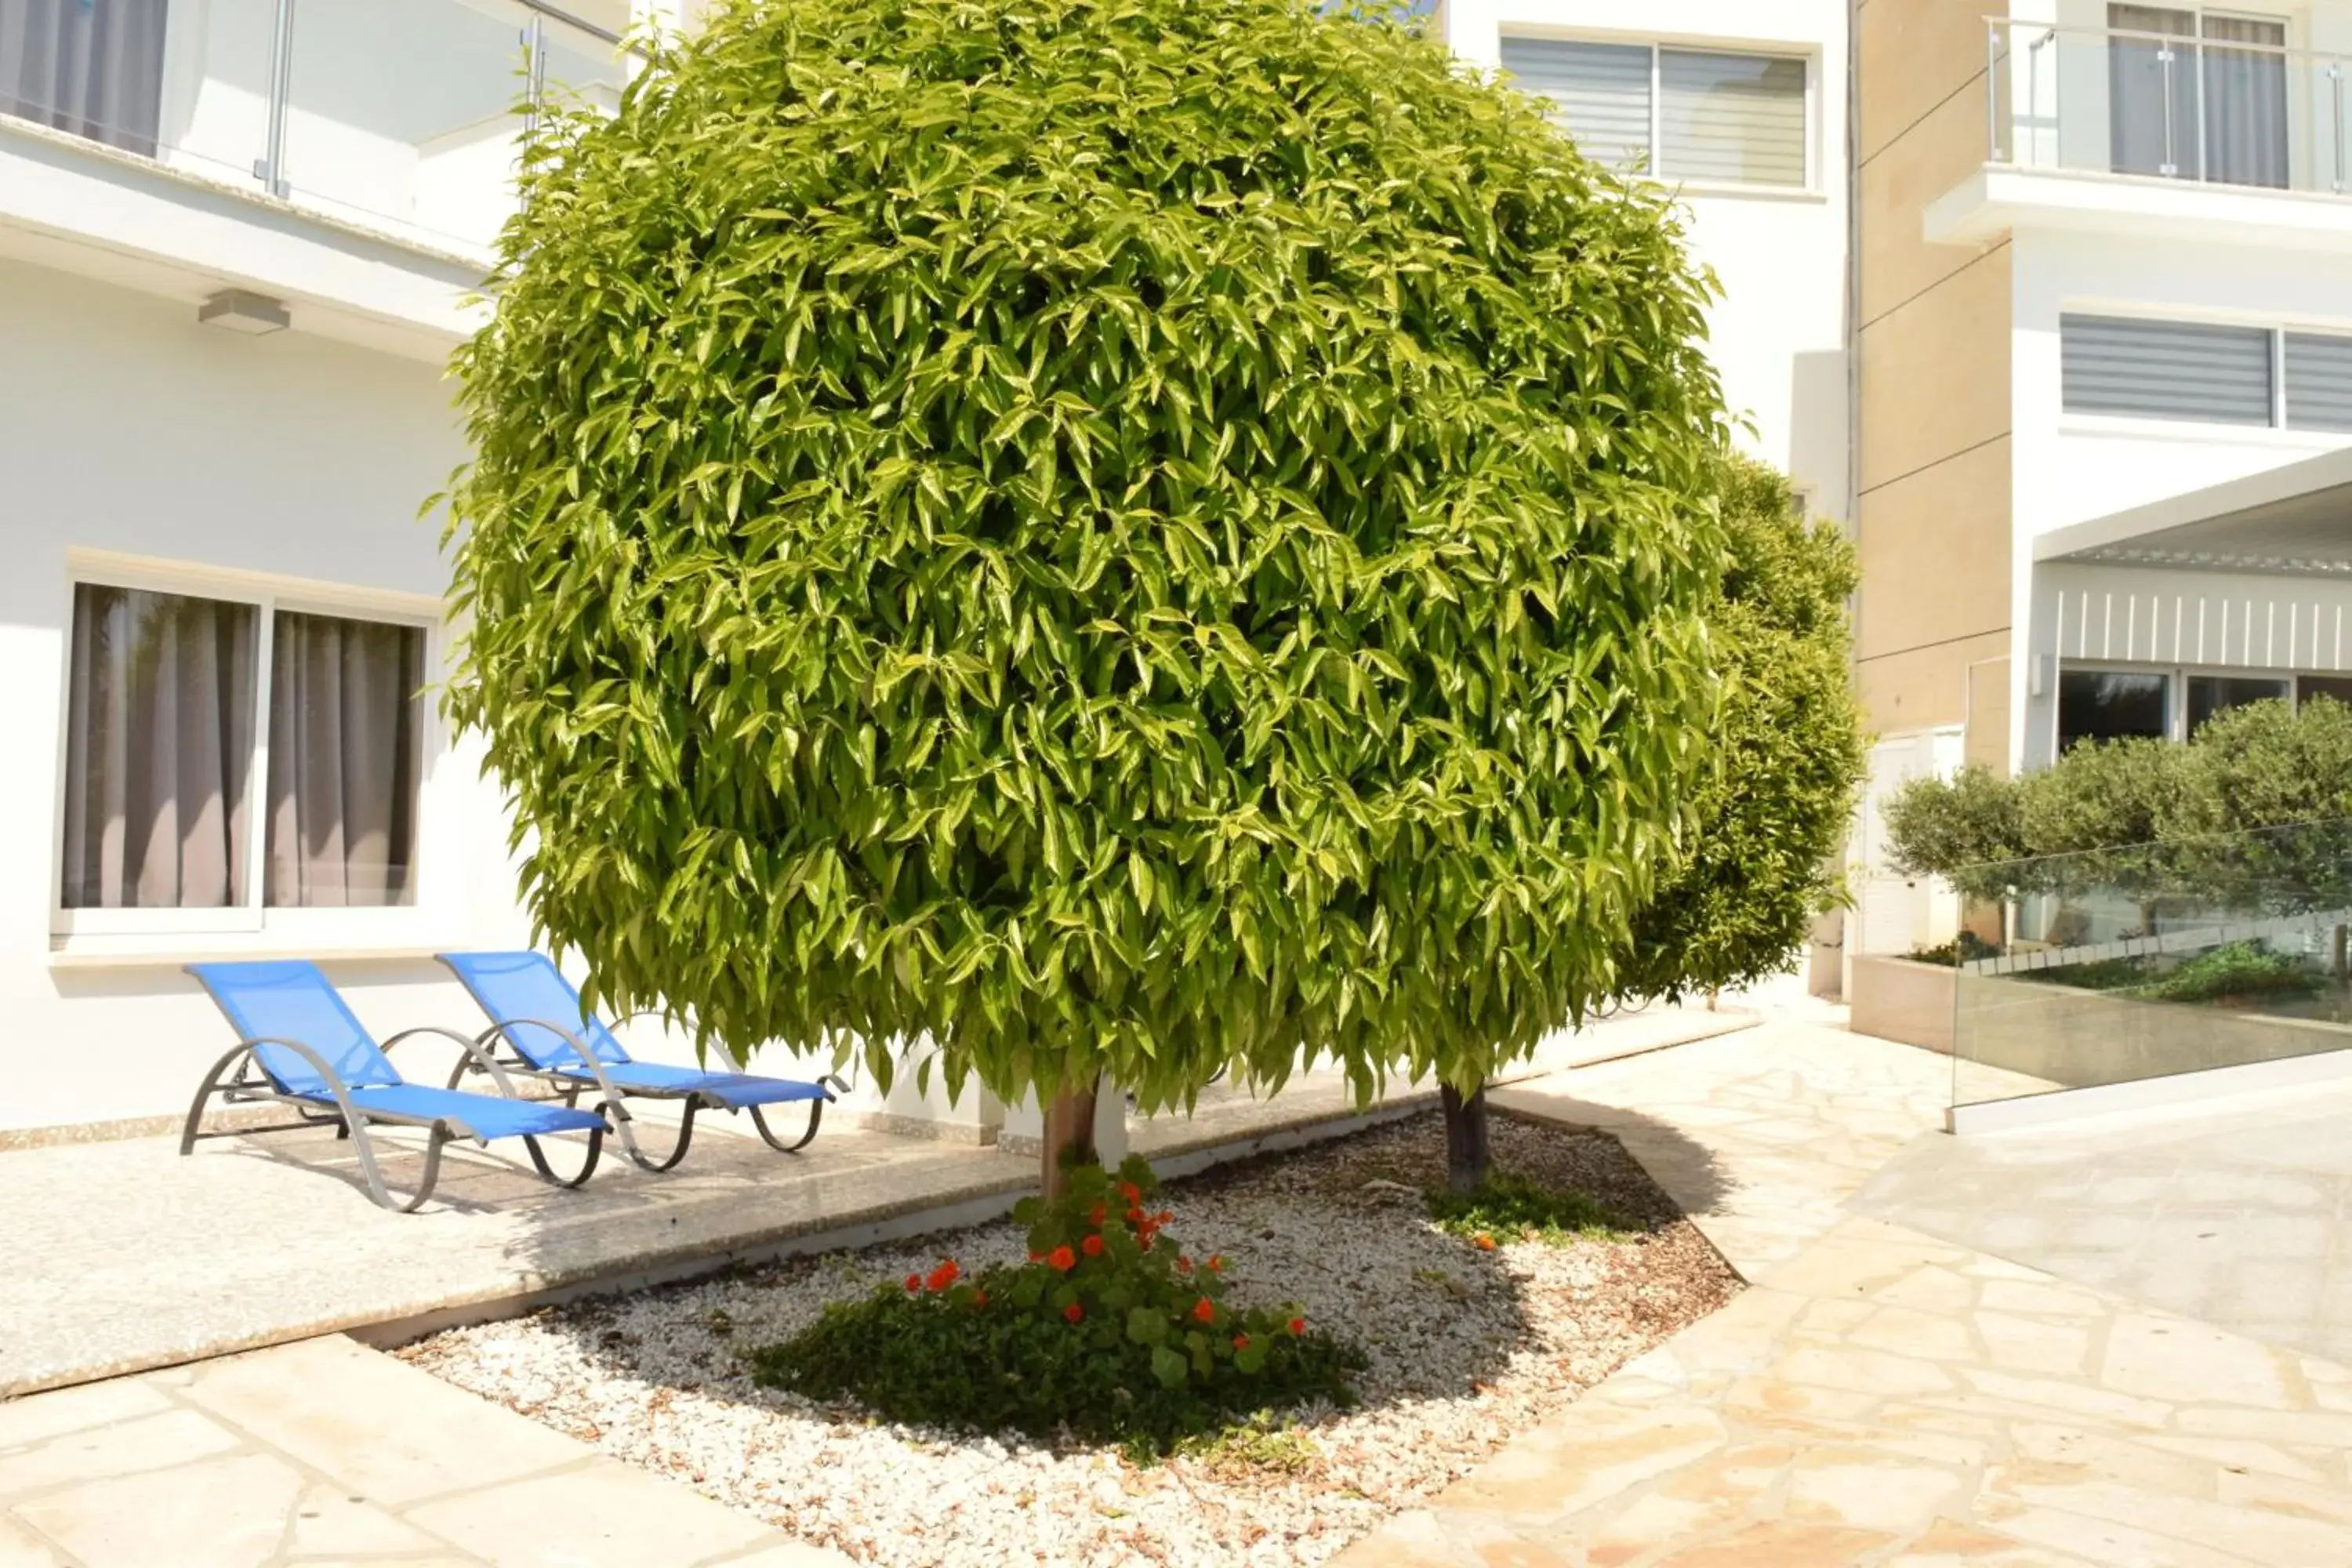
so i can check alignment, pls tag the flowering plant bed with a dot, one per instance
(1462, 1348)
(1109, 1333)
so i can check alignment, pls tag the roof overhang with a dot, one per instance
(2294, 520)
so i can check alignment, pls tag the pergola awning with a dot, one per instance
(2293, 520)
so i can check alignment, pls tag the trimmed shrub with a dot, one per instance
(1761, 862)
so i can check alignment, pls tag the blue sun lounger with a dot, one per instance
(300, 1045)
(540, 1016)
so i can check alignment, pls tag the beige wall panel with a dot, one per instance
(1934, 373)
(1913, 55)
(1986, 745)
(1935, 550)
(1936, 154)
(1927, 687)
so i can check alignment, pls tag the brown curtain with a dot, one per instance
(91, 66)
(159, 742)
(343, 750)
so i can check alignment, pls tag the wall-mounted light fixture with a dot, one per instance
(243, 311)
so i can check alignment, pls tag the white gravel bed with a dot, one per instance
(1467, 1347)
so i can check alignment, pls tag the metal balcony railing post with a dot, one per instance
(534, 39)
(2171, 165)
(271, 170)
(1992, 91)
(2336, 93)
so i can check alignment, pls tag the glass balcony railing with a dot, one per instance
(2190, 95)
(404, 116)
(2124, 965)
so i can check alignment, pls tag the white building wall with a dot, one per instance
(128, 429)
(137, 444)
(1777, 335)
(2072, 466)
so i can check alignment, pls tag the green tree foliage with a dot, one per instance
(1967, 829)
(1133, 538)
(2267, 763)
(1788, 756)
(2153, 818)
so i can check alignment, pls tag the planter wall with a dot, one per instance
(1900, 999)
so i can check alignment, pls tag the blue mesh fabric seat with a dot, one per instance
(549, 1034)
(300, 1044)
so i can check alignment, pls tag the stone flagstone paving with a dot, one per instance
(329, 1453)
(1880, 1397)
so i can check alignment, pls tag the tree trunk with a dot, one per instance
(1069, 1124)
(1465, 1138)
(2342, 966)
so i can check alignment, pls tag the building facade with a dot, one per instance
(2104, 355)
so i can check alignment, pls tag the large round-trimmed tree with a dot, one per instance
(1131, 536)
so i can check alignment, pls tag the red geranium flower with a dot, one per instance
(1298, 1327)
(1095, 1216)
(1134, 1216)
(945, 1275)
(1073, 1313)
(1203, 1309)
(914, 1283)
(1241, 1342)
(1163, 1217)
(1063, 1259)
(1184, 1266)
(1092, 1246)
(1217, 1262)
(979, 1300)
(1131, 1191)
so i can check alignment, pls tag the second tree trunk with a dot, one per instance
(1465, 1138)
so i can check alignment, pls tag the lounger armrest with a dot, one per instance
(471, 1046)
(336, 1091)
(580, 1048)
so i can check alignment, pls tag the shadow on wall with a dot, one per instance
(1818, 432)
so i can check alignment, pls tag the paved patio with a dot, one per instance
(1880, 1396)
(2237, 1212)
(330, 1453)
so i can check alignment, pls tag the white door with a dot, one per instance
(1893, 913)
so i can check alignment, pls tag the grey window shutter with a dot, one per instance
(1731, 119)
(2319, 382)
(1602, 91)
(2165, 369)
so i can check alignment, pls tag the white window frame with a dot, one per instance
(1805, 57)
(358, 926)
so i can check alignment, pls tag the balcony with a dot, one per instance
(2208, 127)
(402, 118)
(2222, 101)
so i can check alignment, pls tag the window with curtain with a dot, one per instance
(94, 68)
(170, 701)
(159, 750)
(1711, 116)
(2198, 95)
(344, 751)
